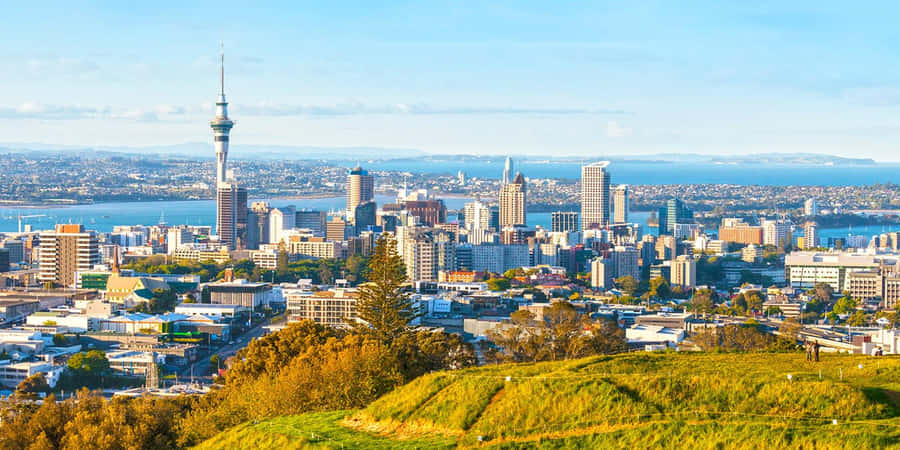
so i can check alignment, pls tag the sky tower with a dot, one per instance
(231, 199)
(221, 125)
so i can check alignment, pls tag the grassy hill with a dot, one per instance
(637, 400)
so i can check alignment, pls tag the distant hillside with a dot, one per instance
(628, 401)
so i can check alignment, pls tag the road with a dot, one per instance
(202, 369)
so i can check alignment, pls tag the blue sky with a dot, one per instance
(559, 78)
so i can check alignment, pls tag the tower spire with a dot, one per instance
(222, 69)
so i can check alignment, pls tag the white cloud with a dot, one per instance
(36, 110)
(41, 67)
(359, 108)
(614, 130)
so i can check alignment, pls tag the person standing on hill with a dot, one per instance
(808, 348)
(816, 350)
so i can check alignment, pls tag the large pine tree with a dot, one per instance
(383, 305)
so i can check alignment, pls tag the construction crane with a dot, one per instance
(28, 217)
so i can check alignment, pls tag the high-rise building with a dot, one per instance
(336, 229)
(312, 220)
(507, 172)
(258, 225)
(429, 212)
(626, 261)
(738, 231)
(231, 200)
(364, 215)
(620, 204)
(281, 220)
(595, 196)
(564, 221)
(4, 260)
(810, 208)
(674, 213)
(177, 237)
(477, 216)
(16, 249)
(360, 189)
(426, 252)
(647, 247)
(512, 203)
(776, 232)
(231, 215)
(67, 250)
(602, 273)
(684, 271)
(810, 236)
(221, 126)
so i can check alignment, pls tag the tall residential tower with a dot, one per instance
(360, 189)
(595, 196)
(512, 203)
(507, 172)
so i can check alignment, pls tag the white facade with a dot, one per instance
(620, 204)
(684, 271)
(595, 199)
(776, 232)
(806, 269)
(177, 237)
(281, 220)
(810, 208)
(477, 216)
(602, 273)
(316, 249)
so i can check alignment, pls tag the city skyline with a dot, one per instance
(636, 80)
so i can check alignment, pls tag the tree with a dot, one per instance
(844, 305)
(85, 369)
(356, 266)
(326, 276)
(659, 288)
(383, 304)
(281, 264)
(628, 285)
(754, 301)
(163, 300)
(822, 292)
(498, 284)
(739, 304)
(790, 329)
(33, 385)
(561, 333)
(738, 338)
(858, 319)
(702, 302)
(60, 340)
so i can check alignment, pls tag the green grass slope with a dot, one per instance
(672, 400)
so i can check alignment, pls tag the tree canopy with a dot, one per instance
(382, 303)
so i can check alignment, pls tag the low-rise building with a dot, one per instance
(74, 323)
(667, 320)
(142, 323)
(131, 363)
(12, 311)
(22, 341)
(640, 335)
(13, 373)
(240, 292)
(216, 312)
(333, 308)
